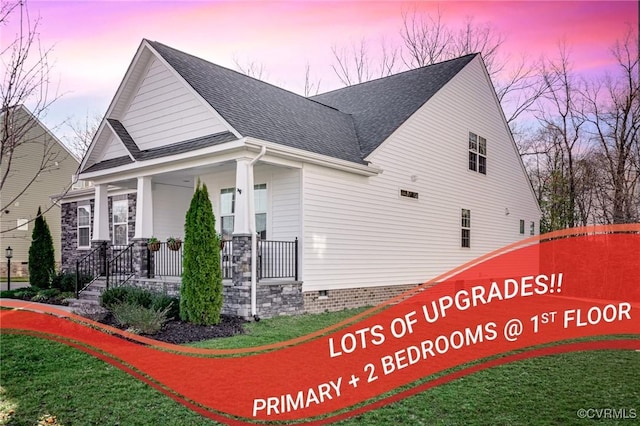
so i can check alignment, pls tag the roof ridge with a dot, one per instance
(152, 42)
(412, 70)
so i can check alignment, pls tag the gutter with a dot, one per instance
(254, 241)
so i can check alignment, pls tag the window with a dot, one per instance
(84, 226)
(477, 153)
(227, 210)
(260, 197)
(466, 228)
(521, 226)
(532, 228)
(23, 224)
(120, 225)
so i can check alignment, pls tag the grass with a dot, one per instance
(15, 279)
(43, 377)
(278, 329)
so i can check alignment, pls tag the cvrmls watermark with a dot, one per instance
(607, 413)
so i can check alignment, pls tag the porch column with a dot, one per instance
(144, 209)
(101, 214)
(241, 224)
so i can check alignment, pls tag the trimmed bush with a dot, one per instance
(42, 264)
(201, 290)
(139, 319)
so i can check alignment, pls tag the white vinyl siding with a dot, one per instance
(113, 149)
(282, 198)
(359, 232)
(170, 205)
(164, 111)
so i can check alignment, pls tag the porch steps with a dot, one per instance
(88, 302)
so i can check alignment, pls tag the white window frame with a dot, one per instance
(465, 233)
(260, 209)
(521, 226)
(477, 153)
(87, 208)
(124, 223)
(22, 224)
(532, 228)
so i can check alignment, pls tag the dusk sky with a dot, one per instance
(94, 42)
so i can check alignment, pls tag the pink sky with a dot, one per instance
(94, 42)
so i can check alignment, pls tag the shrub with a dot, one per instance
(133, 295)
(139, 319)
(66, 281)
(163, 301)
(45, 295)
(41, 257)
(201, 290)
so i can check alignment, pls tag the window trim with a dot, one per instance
(521, 226)
(114, 223)
(477, 153)
(257, 186)
(86, 207)
(465, 232)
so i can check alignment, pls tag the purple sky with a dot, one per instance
(94, 41)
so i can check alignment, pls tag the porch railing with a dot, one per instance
(90, 267)
(276, 259)
(120, 268)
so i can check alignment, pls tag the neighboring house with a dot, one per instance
(375, 188)
(40, 166)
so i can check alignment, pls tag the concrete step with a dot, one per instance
(88, 308)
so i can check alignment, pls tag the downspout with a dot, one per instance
(254, 241)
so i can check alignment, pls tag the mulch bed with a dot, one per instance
(179, 332)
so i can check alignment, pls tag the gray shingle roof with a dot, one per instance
(348, 123)
(258, 109)
(380, 106)
(163, 151)
(125, 137)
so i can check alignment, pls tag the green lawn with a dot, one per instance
(42, 377)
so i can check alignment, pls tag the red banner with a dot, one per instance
(568, 285)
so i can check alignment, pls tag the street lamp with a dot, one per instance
(9, 255)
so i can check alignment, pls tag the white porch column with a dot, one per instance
(101, 214)
(144, 209)
(241, 225)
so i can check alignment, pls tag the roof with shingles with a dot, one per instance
(163, 151)
(348, 123)
(258, 109)
(379, 107)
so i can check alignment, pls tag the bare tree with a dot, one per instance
(352, 66)
(561, 112)
(426, 39)
(614, 116)
(310, 87)
(251, 68)
(83, 132)
(25, 81)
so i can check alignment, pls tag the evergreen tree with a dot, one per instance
(201, 291)
(42, 263)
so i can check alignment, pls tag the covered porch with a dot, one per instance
(256, 205)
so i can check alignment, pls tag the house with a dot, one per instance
(39, 166)
(341, 199)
